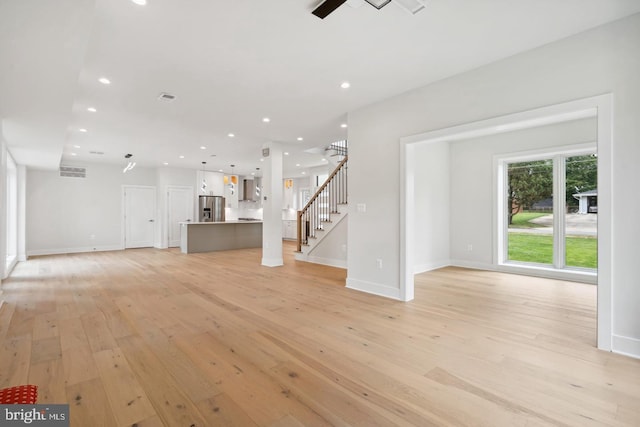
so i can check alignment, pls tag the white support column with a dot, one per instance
(272, 205)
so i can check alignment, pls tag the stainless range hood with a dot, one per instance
(251, 190)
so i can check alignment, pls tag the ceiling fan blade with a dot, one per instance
(327, 7)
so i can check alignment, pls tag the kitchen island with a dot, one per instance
(219, 236)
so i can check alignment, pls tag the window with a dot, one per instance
(549, 210)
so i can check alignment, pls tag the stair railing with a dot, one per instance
(322, 204)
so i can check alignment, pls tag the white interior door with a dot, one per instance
(139, 216)
(180, 209)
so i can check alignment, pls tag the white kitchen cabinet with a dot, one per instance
(289, 231)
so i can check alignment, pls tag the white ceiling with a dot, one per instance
(231, 63)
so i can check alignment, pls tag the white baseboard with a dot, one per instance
(272, 262)
(472, 264)
(331, 262)
(423, 268)
(535, 271)
(58, 251)
(374, 288)
(625, 345)
(10, 267)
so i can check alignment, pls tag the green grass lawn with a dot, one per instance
(580, 251)
(521, 219)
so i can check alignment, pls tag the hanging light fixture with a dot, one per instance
(203, 187)
(234, 181)
(258, 183)
(130, 165)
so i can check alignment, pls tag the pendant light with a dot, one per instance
(234, 180)
(203, 187)
(130, 165)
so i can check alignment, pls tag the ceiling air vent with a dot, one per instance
(164, 96)
(73, 171)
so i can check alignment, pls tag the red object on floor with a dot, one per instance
(22, 395)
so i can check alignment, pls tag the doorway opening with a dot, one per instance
(598, 107)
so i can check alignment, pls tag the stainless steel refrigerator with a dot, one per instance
(211, 209)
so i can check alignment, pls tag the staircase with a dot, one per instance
(325, 213)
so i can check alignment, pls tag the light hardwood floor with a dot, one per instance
(155, 337)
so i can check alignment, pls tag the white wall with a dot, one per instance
(78, 214)
(432, 212)
(472, 191)
(332, 249)
(602, 60)
(166, 177)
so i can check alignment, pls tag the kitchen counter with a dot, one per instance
(232, 221)
(219, 236)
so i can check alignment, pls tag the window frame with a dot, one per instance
(558, 269)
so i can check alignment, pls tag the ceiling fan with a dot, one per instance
(328, 6)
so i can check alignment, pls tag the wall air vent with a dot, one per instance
(164, 96)
(73, 171)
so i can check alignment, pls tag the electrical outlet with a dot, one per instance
(379, 263)
(469, 247)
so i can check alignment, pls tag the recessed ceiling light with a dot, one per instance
(300, 138)
(83, 130)
(93, 110)
(73, 154)
(165, 163)
(266, 119)
(303, 173)
(140, 2)
(324, 160)
(231, 135)
(286, 153)
(297, 164)
(344, 125)
(76, 146)
(253, 173)
(202, 147)
(262, 160)
(182, 157)
(345, 85)
(104, 81)
(219, 170)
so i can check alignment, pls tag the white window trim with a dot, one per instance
(11, 216)
(558, 270)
